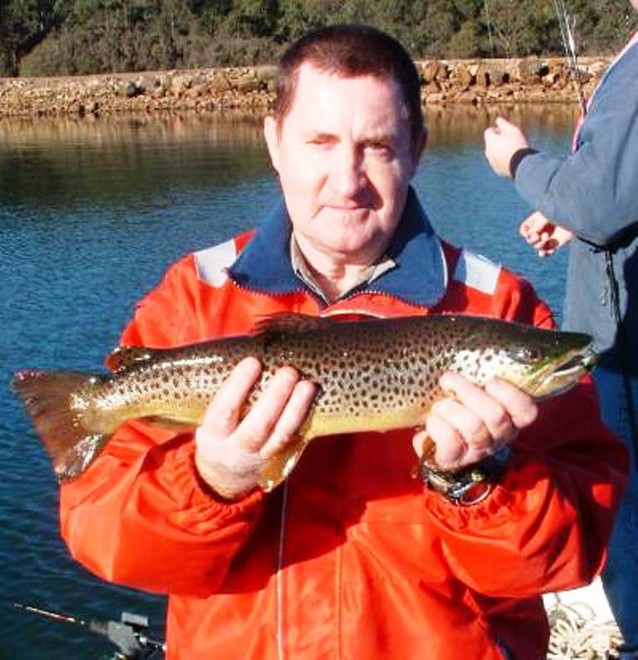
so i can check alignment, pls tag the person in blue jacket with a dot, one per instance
(590, 199)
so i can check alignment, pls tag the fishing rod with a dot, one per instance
(489, 27)
(128, 634)
(569, 45)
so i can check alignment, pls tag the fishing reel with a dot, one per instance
(128, 634)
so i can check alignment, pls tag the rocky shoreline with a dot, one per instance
(250, 89)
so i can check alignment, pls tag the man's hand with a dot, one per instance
(543, 235)
(474, 422)
(502, 141)
(232, 450)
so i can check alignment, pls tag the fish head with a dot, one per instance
(551, 367)
(541, 362)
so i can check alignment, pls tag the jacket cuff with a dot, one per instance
(488, 512)
(523, 479)
(517, 157)
(193, 497)
(468, 486)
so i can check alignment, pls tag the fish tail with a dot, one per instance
(46, 399)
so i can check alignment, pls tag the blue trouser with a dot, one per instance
(620, 576)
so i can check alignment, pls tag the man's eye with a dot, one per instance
(320, 141)
(379, 148)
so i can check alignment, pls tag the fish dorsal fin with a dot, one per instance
(125, 357)
(290, 322)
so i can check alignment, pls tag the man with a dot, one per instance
(589, 198)
(350, 556)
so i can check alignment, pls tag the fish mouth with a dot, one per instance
(556, 378)
(577, 365)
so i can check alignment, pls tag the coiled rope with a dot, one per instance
(578, 633)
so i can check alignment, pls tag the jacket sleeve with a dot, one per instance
(592, 191)
(546, 524)
(140, 505)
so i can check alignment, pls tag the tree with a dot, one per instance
(82, 36)
(23, 25)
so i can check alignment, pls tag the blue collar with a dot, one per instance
(419, 276)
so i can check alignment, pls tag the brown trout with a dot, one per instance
(374, 375)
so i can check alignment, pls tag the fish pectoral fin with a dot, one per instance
(281, 465)
(428, 448)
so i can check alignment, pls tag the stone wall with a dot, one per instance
(251, 89)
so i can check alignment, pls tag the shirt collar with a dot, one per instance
(304, 272)
(418, 275)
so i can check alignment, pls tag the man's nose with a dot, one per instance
(347, 174)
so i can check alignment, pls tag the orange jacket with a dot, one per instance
(350, 558)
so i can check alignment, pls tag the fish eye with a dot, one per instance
(527, 354)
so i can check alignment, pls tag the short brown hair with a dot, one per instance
(351, 50)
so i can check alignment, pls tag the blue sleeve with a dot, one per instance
(594, 191)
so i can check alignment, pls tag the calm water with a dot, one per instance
(91, 213)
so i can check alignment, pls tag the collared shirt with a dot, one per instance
(304, 272)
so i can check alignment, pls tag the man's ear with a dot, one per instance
(419, 150)
(271, 133)
(422, 144)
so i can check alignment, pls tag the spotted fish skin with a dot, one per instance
(373, 375)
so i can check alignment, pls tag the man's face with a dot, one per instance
(345, 160)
